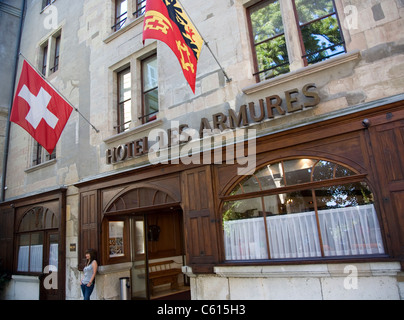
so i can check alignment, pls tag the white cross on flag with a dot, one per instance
(39, 109)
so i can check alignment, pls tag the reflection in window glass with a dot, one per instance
(124, 103)
(348, 220)
(139, 238)
(244, 230)
(291, 172)
(320, 29)
(298, 171)
(269, 39)
(150, 89)
(325, 170)
(54, 251)
(121, 14)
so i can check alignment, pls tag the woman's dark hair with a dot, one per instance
(93, 255)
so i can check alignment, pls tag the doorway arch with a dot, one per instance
(143, 224)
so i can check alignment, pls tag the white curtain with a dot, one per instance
(293, 236)
(23, 259)
(53, 255)
(345, 231)
(30, 252)
(245, 239)
(351, 231)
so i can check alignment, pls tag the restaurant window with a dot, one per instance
(301, 208)
(37, 241)
(319, 32)
(150, 92)
(124, 100)
(121, 14)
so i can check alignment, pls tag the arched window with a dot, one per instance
(301, 208)
(37, 240)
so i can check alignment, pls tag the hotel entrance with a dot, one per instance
(157, 246)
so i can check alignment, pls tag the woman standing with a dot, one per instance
(90, 270)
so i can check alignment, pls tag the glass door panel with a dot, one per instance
(139, 271)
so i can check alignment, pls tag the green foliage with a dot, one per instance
(321, 38)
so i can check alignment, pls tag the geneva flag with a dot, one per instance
(165, 20)
(39, 109)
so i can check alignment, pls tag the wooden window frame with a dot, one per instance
(45, 232)
(119, 22)
(145, 116)
(299, 27)
(106, 258)
(140, 8)
(40, 155)
(56, 58)
(257, 72)
(300, 59)
(120, 126)
(45, 52)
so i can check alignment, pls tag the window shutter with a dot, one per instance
(388, 142)
(200, 219)
(6, 239)
(88, 225)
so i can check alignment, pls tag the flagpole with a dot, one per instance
(75, 109)
(206, 43)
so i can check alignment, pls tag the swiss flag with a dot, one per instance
(39, 109)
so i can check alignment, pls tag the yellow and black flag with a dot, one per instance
(166, 20)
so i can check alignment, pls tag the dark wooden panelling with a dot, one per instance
(388, 143)
(88, 225)
(199, 218)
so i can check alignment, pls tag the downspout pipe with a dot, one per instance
(8, 125)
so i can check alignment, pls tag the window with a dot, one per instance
(117, 240)
(150, 90)
(46, 3)
(140, 8)
(56, 57)
(40, 155)
(124, 100)
(37, 240)
(269, 40)
(50, 62)
(319, 30)
(44, 59)
(301, 208)
(273, 31)
(121, 14)
(115, 237)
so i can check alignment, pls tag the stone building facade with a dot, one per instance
(158, 177)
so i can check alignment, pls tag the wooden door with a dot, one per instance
(388, 144)
(88, 226)
(200, 219)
